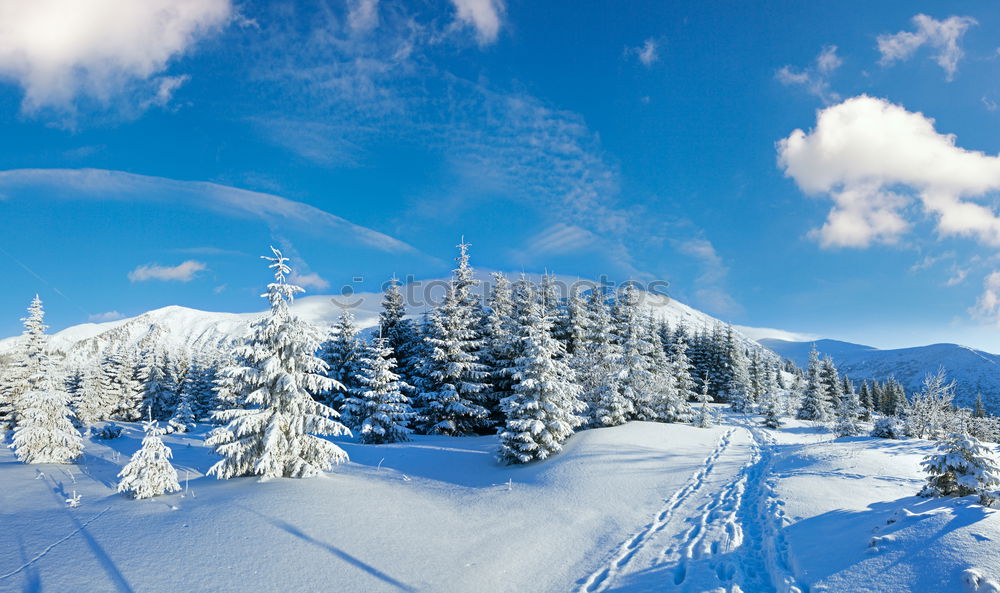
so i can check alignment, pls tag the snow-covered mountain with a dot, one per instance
(974, 371)
(180, 329)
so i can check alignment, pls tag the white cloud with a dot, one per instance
(865, 152)
(362, 15)
(761, 333)
(561, 238)
(828, 61)
(710, 292)
(647, 53)
(814, 79)
(102, 184)
(166, 86)
(988, 305)
(102, 317)
(958, 276)
(483, 15)
(311, 280)
(60, 50)
(944, 36)
(182, 272)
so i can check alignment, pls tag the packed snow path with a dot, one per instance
(720, 532)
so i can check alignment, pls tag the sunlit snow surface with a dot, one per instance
(638, 508)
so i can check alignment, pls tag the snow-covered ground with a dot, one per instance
(637, 508)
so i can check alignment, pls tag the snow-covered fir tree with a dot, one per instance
(129, 389)
(865, 398)
(961, 467)
(667, 402)
(733, 373)
(149, 472)
(848, 412)
(340, 353)
(454, 377)
(681, 368)
(199, 387)
(45, 431)
(378, 409)
(275, 434)
(17, 379)
(815, 404)
(832, 386)
(772, 409)
(577, 320)
(183, 418)
(632, 336)
(705, 417)
(597, 366)
(89, 403)
(158, 390)
(542, 411)
(931, 414)
(498, 352)
(979, 408)
(399, 332)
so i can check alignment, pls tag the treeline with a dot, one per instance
(468, 366)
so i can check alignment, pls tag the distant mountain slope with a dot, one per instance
(798, 352)
(974, 371)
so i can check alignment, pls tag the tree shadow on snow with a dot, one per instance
(331, 549)
(100, 554)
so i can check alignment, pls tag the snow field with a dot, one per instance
(637, 508)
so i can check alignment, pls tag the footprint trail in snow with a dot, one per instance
(721, 532)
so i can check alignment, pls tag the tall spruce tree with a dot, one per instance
(275, 434)
(379, 410)
(498, 352)
(399, 332)
(454, 378)
(771, 405)
(340, 353)
(848, 412)
(45, 431)
(542, 411)
(598, 367)
(632, 336)
(27, 358)
(815, 403)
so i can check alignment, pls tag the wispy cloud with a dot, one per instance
(102, 184)
(816, 78)
(648, 53)
(309, 281)
(484, 16)
(988, 305)
(710, 291)
(761, 333)
(102, 317)
(354, 92)
(206, 251)
(60, 51)
(944, 36)
(561, 238)
(182, 272)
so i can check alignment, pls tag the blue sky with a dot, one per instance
(152, 152)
